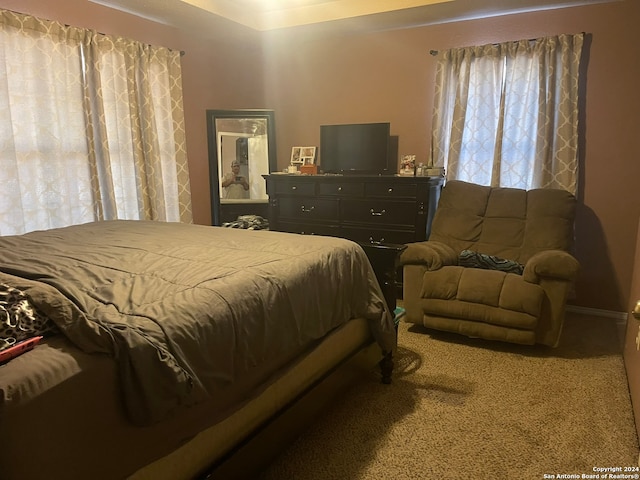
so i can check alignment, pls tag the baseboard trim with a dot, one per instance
(620, 317)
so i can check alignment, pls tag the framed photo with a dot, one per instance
(296, 157)
(308, 155)
(408, 165)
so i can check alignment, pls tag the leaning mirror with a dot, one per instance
(242, 148)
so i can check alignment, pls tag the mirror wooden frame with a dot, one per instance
(214, 161)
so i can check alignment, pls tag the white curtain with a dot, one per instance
(94, 128)
(507, 114)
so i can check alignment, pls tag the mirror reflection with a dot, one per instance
(243, 157)
(241, 150)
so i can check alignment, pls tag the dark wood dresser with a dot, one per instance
(365, 209)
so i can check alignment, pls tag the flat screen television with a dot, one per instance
(361, 148)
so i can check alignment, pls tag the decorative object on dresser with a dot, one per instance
(308, 155)
(408, 166)
(303, 160)
(309, 169)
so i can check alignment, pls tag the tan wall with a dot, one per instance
(388, 76)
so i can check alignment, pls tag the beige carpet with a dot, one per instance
(467, 409)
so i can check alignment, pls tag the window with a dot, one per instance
(95, 130)
(507, 114)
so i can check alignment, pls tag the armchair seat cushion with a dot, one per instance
(492, 297)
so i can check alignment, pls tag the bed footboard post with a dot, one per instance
(386, 367)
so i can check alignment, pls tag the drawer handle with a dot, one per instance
(294, 187)
(307, 210)
(377, 214)
(390, 190)
(376, 242)
(339, 189)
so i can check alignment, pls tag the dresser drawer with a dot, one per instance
(295, 187)
(308, 208)
(338, 188)
(376, 235)
(310, 228)
(378, 212)
(390, 189)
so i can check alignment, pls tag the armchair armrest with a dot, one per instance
(433, 255)
(551, 263)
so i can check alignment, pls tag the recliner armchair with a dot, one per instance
(461, 280)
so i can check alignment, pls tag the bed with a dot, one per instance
(175, 342)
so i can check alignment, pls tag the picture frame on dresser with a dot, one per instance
(303, 156)
(308, 155)
(295, 156)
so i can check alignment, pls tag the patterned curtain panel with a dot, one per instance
(507, 114)
(135, 124)
(44, 172)
(94, 128)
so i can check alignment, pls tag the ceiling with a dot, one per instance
(266, 15)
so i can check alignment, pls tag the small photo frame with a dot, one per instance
(308, 155)
(295, 156)
(408, 165)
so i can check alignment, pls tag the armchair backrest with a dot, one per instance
(509, 223)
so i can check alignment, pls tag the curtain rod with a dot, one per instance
(182, 52)
(434, 53)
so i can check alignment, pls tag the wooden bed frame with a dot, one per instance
(264, 445)
(241, 445)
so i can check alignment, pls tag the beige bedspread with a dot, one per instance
(188, 310)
